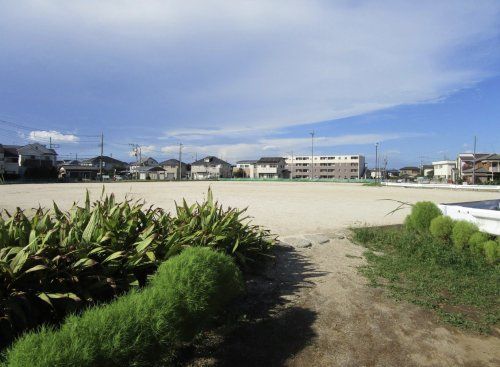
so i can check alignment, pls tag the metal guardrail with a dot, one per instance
(494, 188)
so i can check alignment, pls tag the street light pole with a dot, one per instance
(376, 161)
(474, 162)
(312, 154)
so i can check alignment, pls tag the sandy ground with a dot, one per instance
(285, 208)
(323, 312)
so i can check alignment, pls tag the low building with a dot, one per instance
(270, 167)
(244, 169)
(110, 165)
(171, 167)
(71, 172)
(487, 168)
(210, 167)
(428, 170)
(409, 172)
(32, 160)
(137, 167)
(2, 168)
(326, 166)
(444, 170)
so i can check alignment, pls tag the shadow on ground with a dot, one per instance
(273, 329)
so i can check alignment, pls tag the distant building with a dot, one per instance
(487, 167)
(32, 160)
(428, 170)
(445, 170)
(2, 167)
(270, 167)
(171, 167)
(326, 166)
(77, 172)
(110, 165)
(246, 167)
(210, 167)
(142, 165)
(409, 172)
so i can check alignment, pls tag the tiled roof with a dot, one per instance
(264, 160)
(211, 160)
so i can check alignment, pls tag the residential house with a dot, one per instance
(171, 167)
(11, 160)
(428, 170)
(378, 173)
(77, 172)
(110, 165)
(326, 166)
(153, 173)
(392, 173)
(465, 161)
(142, 165)
(31, 160)
(409, 172)
(210, 167)
(445, 170)
(245, 169)
(487, 167)
(271, 167)
(2, 168)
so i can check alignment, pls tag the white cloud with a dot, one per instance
(55, 136)
(246, 65)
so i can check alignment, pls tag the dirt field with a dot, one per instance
(285, 208)
(323, 313)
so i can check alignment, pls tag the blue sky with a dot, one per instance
(252, 78)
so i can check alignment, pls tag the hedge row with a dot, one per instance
(184, 295)
(464, 236)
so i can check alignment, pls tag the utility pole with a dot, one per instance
(474, 162)
(291, 164)
(385, 167)
(138, 158)
(100, 157)
(312, 154)
(376, 161)
(180, 162)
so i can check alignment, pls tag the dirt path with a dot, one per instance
(313, 308)
(357, 325)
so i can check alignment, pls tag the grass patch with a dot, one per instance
(462, 289)
(374, 183)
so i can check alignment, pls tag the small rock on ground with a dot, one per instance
(298, 242)
(317, 239)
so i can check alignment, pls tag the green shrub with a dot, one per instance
(462, 232)
(422, 213)
(184, 295)
(55, 262)
(476, 242)
(491, 251)
(441, 227)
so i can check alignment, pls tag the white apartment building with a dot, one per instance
(444, 169)
(326, 166)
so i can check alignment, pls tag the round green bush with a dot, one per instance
(422, 213)
(477, 240)
(462, 232)
(441, 228)
(185, 294)
(492, 251)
